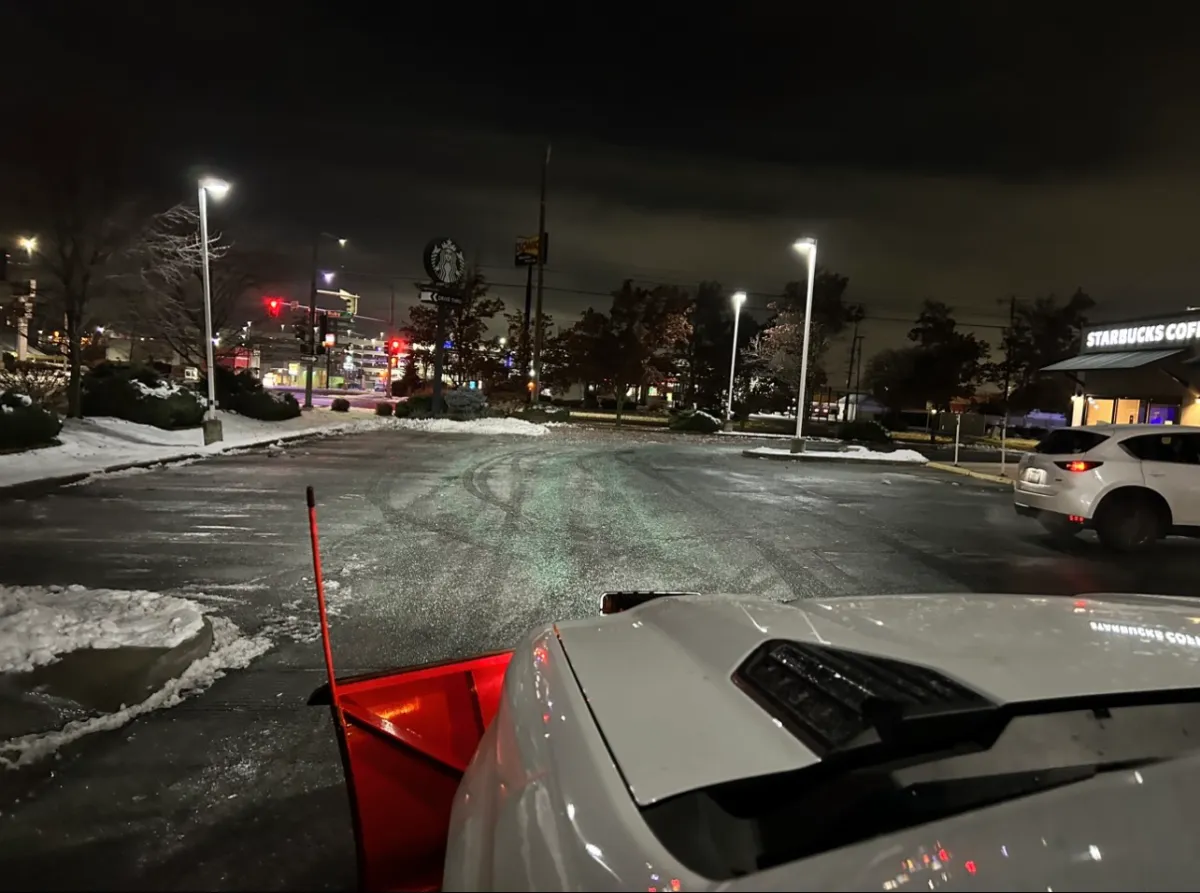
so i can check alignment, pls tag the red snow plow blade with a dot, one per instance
(406, 737)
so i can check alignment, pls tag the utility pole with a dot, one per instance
(541, 275)
(312, 326)
(1012, 319)
(850, 371)
(858, 374)
(526, 327)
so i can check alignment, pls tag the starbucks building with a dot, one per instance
(1145, 371)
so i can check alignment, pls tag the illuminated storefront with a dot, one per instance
(1145, 371)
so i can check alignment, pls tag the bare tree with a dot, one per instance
(73, 169)
(166, 280)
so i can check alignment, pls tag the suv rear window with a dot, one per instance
(1068, 441)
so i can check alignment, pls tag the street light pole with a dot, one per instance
(739, 298)
(311, 360)
(538, 334)
(312, 317)
(807, 247)
(212, 425)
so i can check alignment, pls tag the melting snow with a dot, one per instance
(231, 651)
(39, 624)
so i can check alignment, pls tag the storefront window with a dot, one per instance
(1099, 412)
(1162, 414)
(1127, 412)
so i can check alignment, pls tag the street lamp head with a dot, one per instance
(739, 298)
(341, 243)
(29, 243)
(805, 245)
(215, 187)
(328, 277)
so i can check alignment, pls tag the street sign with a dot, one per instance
(430, 296)
(958, 407)
(308, 359)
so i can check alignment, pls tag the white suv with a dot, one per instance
(1132, 484)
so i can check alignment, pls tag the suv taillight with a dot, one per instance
(1078, 465)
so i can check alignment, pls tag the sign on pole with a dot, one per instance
(528, 250)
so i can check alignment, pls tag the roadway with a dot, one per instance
(439, 546)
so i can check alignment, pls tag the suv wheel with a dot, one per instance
(1129, 523)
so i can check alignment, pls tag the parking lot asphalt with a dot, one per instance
(439, 546)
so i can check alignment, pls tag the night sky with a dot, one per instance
(956, 151)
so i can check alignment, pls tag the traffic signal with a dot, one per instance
(395, 347)
(322, 332)
(274, 306)
(304, 331)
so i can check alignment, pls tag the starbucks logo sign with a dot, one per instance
(444, 261)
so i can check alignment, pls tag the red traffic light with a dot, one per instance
(274, 306)
(395, 346)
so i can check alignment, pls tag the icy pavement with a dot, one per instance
(440, 547)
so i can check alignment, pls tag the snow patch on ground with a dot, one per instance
(39, 624)
(165, 389)
(89, 446)
(850, 454)
(231, 651)
(487, 427)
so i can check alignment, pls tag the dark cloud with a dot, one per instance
(962, 152)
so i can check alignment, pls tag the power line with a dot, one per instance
(751, 304)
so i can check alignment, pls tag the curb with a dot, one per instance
(39, 486)
(801, 457)
(966, 472)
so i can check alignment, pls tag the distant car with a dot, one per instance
(1132, 484)
(724, 743)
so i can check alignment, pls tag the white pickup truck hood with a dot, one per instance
(679, 659)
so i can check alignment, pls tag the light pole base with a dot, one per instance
(306, 407)
(798, 444)
(212, 431)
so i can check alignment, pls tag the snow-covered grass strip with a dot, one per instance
(94, 445)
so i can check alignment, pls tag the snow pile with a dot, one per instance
(88, 446)
(163, 390)
(37, 625)
(231, 651)
(711, 418)
(487, 427)
(849, 454)
(23, 399)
